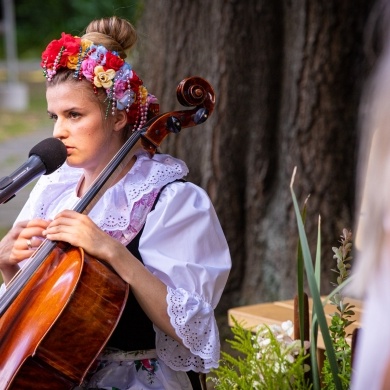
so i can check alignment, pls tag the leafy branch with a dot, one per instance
(341, 319)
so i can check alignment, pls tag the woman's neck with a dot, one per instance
(89, 178)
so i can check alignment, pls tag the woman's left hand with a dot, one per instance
(80, 231)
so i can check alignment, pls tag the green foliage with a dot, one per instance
(268, 359)
(341, 319)
(318, 317)
(33, 118)
(37, 22)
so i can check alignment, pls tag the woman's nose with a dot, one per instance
(59, 130)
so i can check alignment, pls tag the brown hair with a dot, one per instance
(115, 34)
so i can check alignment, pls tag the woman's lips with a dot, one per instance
(69, 149)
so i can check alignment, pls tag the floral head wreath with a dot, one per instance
(104, 69)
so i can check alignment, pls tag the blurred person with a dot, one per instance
(371, 273)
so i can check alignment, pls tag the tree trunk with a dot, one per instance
(287, 77)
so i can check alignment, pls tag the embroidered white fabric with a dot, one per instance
(135, 370)
(182, 244)
(194, 322)
(195, 266)
(122, 209)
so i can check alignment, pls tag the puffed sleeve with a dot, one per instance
(184, 246)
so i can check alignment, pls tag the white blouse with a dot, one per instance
(182, 244)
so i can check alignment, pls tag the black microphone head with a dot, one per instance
(52, 152)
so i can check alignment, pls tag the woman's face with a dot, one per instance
(91, 139)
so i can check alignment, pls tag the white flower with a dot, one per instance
(263, 343)
(288, 327)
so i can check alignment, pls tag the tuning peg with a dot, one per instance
(201, 115)
(173, 124)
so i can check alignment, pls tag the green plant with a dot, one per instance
(318, 317)
(268, 359)
(272, 367)
(341, 319)
(34, 117)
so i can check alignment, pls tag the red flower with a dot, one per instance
(132, 114)
(135, 82)
(70, 45)
(113, 62)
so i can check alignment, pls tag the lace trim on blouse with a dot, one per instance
(123, 208)
(194, 322)
(125, 220)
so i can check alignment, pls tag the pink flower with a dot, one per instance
(120, 88)
(87, 68)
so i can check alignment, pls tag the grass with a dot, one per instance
(34, 117)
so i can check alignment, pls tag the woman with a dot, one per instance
(95, 100)
(372, 272)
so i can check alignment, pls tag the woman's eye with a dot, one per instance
(52, 116)
(74, 114)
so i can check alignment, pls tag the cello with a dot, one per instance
(59, 311)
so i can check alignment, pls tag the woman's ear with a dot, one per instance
(120, 120)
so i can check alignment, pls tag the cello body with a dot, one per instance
(69, 293)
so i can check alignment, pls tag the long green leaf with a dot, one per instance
(313, 353)
(314, 322)
(300, 282)
(317, 304)
(317, 271)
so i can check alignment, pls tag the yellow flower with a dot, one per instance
(72, 61)
(143, 94)
(85, 44)
(103, 78)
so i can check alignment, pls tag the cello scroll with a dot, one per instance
(191, 92)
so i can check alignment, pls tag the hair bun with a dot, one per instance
(116, 34)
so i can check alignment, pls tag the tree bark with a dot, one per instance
(288, 77)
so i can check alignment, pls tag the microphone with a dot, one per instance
(44, 158)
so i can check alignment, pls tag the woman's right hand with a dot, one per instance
(19, 244)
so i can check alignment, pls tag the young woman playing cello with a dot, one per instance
(158, 232)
